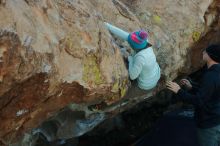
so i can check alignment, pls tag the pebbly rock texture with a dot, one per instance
(174, 26)
(53, 53)
(211, 34)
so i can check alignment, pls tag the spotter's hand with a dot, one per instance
(173, 86)
(186, 83)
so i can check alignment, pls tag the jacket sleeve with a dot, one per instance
(202, 95)
(135, 66)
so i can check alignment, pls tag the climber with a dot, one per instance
(206, 99)
(142, 64)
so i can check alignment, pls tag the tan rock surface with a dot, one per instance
(53, 52)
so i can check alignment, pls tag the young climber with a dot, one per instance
(142, 64)
(206, 99)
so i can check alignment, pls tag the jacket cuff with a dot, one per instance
(180, 93)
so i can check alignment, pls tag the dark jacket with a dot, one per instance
(207, 99)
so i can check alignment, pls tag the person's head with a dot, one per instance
(212, 54)
(138, 40)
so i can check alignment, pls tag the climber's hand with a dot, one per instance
(130, 58)
(186, 83)
(124, 53)
(173, 86)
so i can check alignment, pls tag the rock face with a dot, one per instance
(54, 53)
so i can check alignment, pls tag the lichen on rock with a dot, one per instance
(91, 72)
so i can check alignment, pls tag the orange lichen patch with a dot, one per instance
(86, 37)
(98, 106)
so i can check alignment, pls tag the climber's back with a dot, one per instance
(150, 73)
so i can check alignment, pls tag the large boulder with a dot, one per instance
(56, 53)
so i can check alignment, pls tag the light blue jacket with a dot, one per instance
(144, 67)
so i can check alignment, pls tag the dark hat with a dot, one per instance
(214, 52)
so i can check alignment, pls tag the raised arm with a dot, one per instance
(135, 66)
